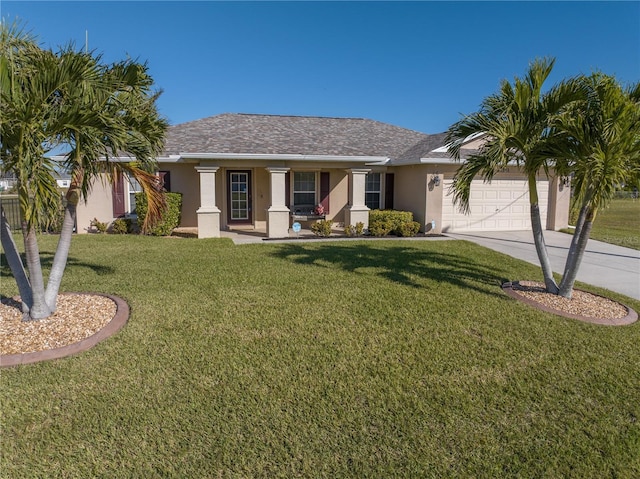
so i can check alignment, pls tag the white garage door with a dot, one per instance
(500, 205)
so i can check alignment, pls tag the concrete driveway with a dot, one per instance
(608, 266)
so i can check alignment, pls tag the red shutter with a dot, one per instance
(325, 189)
(388, 191)
(118, 196)
(165, 180)
(287, 189)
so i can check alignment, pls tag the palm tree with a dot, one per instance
(602, 151)
(516, 123)
(100, 113)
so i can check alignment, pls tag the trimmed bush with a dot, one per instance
(380, 228)
(119, 227)
(356, 230)
(410, 228)
(170, 217)
(400, 223)
(322, 228)
(99, 226)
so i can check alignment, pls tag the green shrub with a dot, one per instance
(410, 228)
(356, 230)
(120, 227)
(380, 228)
(99, 226)
(383, 222)
(170, 217)
(322, 227)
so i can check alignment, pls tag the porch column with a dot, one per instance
(278, 213)
(357, 211)
(208, 213)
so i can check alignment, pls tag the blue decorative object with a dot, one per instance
(296, 227)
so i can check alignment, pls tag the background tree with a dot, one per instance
(98, 114)
(516, 123)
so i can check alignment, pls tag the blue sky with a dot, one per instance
(418, 65)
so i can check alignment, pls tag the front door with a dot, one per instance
(239, 197)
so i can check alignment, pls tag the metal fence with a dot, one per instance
(11, 208)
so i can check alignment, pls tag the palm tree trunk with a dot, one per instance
(38, 309)
(576, 252)
(538, 238)
(62, 251)
(15, 263)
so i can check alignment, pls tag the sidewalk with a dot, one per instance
(604, 265)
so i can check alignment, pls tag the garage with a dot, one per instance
(501, 205)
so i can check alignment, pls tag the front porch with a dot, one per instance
(249, 235)
(259, 200)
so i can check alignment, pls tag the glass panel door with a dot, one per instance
(239, 196)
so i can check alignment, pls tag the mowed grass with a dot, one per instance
(333, 359)
(619, 223)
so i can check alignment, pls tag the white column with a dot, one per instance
(357, 211)
(208, 213)
(278, 213)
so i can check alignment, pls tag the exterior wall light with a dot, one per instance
(565, 180)
(436, 179)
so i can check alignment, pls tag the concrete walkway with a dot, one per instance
(605, 265)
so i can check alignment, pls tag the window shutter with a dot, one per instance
(325, 189)
(165, 180)
(117, 195)
(388, 191)
(287, 189)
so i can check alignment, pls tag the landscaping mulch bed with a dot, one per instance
(583, 306)
(80, 322)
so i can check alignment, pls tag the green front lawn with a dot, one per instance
(334, 359)
(618, 224)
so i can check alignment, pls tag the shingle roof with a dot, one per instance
(426, 147)
(275, 134)
(423, 149)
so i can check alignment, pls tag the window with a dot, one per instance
(372, 191)
(304, 188)
(134, 187)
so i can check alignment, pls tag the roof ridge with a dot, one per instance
(301, 116)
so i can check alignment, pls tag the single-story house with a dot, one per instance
(254, 171)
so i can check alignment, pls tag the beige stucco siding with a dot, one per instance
(261, 193)
(415, 190)
(559, 204)
(339, 196)
(99, 205)
(185, 180)
(410, 191)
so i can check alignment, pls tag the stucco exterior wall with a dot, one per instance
(559, 204)
(261, 194)
(99, 205)
(339, 196)
(184, 179)
(410, 191)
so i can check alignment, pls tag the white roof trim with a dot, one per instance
(285, 157)
(437, 161)
(447, 161)
(445, 148)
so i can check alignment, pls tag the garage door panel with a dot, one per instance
(502, 204)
